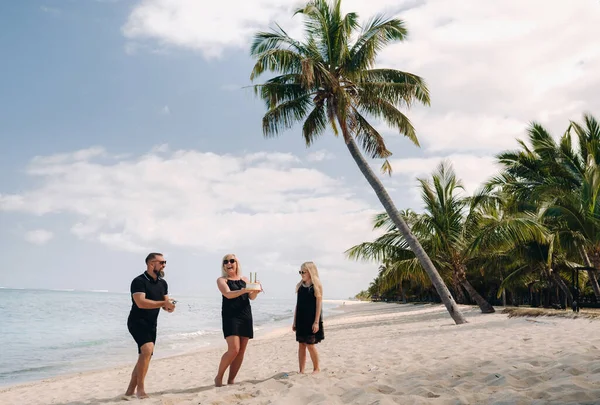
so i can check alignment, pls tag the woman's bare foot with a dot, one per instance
(218, 382)
(316, 371)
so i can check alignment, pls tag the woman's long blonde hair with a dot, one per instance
(314, 276)
(238, 269)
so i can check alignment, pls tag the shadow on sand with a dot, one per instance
(195, 390)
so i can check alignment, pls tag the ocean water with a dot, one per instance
(49, 333)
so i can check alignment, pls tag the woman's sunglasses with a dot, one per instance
(301, 272)
(231, 261)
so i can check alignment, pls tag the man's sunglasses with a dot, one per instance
(158, 261)
(231, 261)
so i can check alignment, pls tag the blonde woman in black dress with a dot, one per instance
(236, 315)
(308, 317)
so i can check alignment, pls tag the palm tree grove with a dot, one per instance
(530, 235)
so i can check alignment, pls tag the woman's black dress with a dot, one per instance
(306, 309)
(236, 313)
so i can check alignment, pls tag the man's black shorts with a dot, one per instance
(142, 331)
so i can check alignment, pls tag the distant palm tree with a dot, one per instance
(456, 231)
(329, 79)
(563, 182)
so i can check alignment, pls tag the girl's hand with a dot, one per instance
(315, 327)
(294, 328)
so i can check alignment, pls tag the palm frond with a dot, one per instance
(386, 111)
(394, 86)
(278, 61)
(285, 115)
(274, 93)
(369, 138)
(378, 33)
(276, 39)
(314, 125)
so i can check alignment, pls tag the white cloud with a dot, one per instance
(492, 66)
(50, 10)
(320, 155)
(472, 170)
(212, 27)
(38, 236)
(165, 110)
(83, 154)
(162, 148)
(264, 204)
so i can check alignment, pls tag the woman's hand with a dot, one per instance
(315, 327)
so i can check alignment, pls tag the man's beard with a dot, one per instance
(160, 273)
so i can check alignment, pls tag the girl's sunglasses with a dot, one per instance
(231, 261)
(301, 272)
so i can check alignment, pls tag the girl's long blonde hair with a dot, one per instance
(314, 276)
(238, 269)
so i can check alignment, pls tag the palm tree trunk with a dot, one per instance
(402, 293)
(456, 284)
(592, 273)
(403, 228)
(563, 286)
(592, 276)
(486, 307)
(503, 292)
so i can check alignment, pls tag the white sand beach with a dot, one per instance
(375, 353)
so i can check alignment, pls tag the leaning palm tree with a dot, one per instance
(329, 79)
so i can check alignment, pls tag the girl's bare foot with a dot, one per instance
(218, 382)
(230, 382)
(142, 395)
(316, 371)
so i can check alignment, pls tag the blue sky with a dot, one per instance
(126, 129)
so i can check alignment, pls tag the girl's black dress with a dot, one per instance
(306, 309)
(236, 313)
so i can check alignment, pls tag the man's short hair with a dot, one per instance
(151, 256)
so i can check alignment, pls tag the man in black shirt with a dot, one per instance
(149, 293)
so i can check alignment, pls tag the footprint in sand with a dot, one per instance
(495, 379)
(381, 389)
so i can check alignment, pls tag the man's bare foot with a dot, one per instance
(128, 397)
(218, 383)
(316, 371)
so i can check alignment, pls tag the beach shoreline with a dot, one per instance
(383, 353)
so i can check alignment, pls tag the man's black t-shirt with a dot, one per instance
(155, 290)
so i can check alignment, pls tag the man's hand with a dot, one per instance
(169, 306)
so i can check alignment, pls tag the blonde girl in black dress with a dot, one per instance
(308, 317)
(236, 315)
